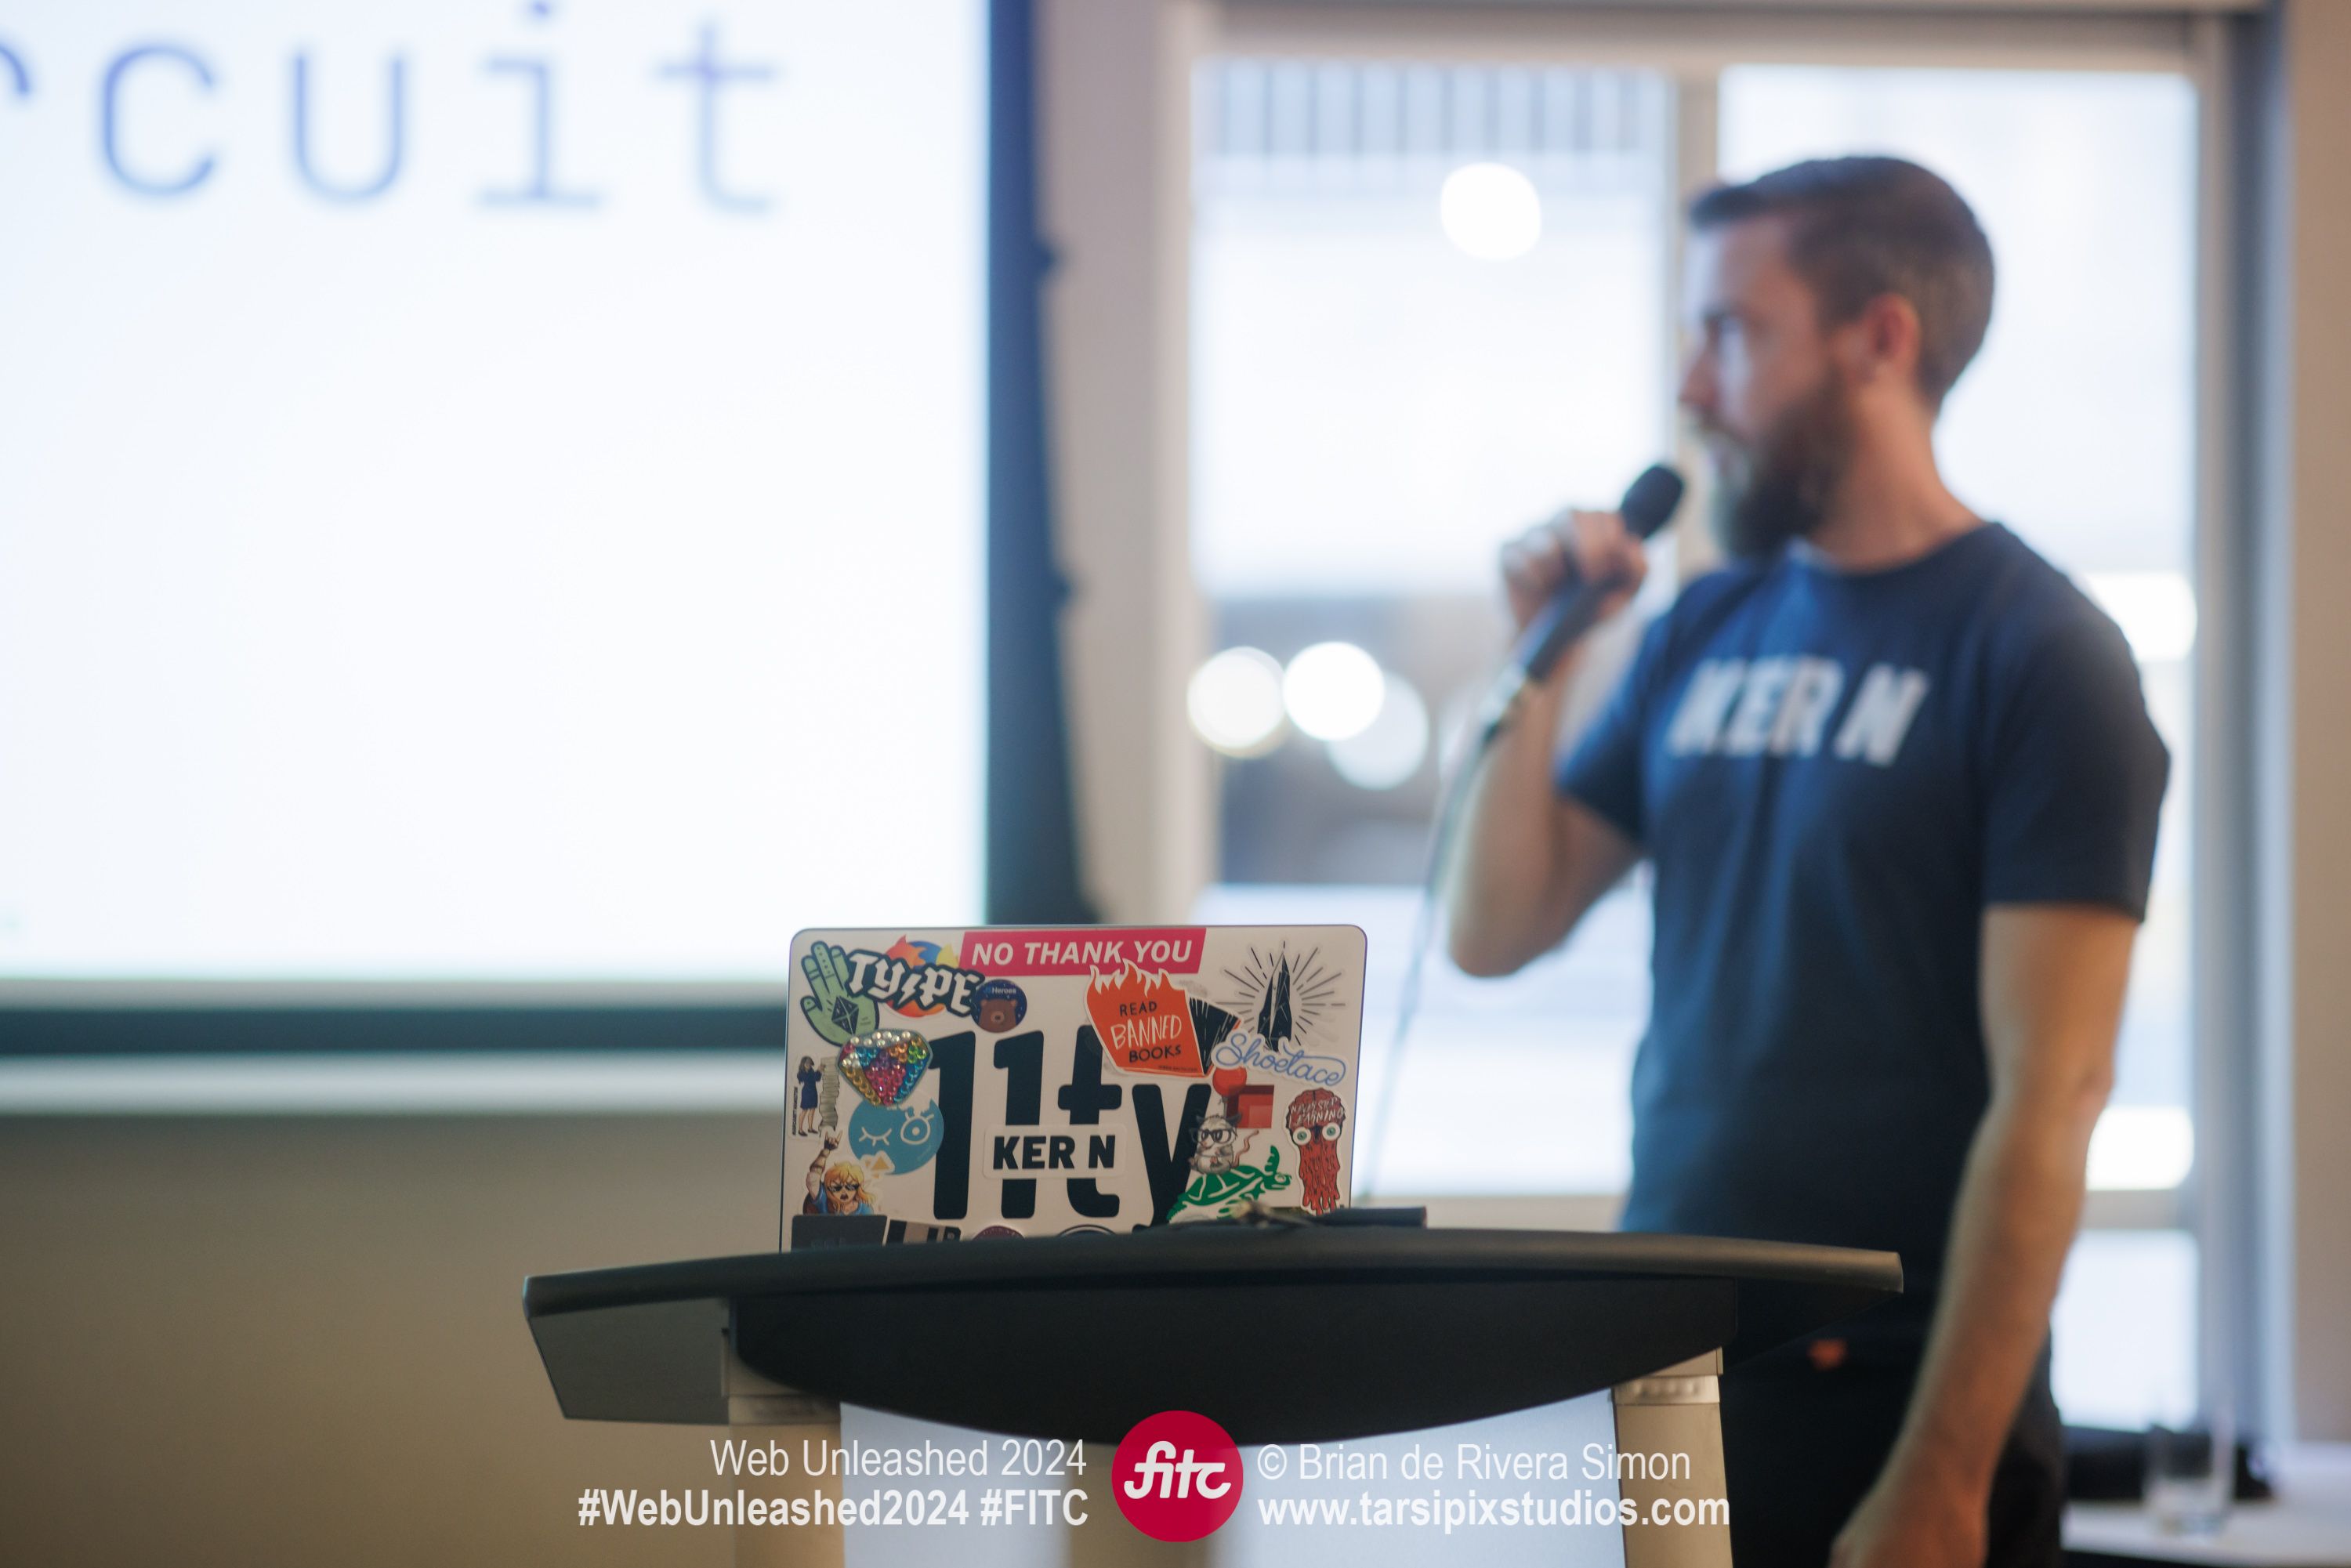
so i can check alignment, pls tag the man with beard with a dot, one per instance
(1896, 782)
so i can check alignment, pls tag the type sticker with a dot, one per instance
(1145, 1023)
(884, 1066)
(915, 978)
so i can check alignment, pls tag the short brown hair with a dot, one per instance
(1860, 227)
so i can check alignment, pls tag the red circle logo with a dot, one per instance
(1178, 1476)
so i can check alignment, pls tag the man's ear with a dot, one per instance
(1884, 340)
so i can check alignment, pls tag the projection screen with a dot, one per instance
(493, 494)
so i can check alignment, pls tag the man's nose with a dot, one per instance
(1698, 388)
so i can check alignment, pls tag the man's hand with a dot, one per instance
(1537, 564)
(1906, 1522)
(1533, 860)
(831, 1010)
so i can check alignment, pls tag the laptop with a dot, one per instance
(969, 1084)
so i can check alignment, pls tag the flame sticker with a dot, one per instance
(1144, 1023)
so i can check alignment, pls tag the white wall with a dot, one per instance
(299, 1340)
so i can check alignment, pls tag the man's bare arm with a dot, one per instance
(1529, 862)
(2053, 985)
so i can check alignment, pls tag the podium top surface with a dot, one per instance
(1282, 1335)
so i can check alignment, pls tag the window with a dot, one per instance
(1395, 367)
(2076, 426)
(1429, 306)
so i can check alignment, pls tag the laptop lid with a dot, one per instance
(1034, 1081)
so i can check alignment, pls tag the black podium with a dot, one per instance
(1390, 1329)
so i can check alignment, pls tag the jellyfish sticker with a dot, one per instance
(1316, 1119)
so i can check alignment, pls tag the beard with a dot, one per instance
(1779, 487)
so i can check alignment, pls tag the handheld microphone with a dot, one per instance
(1648, 505)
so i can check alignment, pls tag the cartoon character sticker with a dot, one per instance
(837, 1189)
(1221, 1185)
(998, 1006)
(1316, 1120)
(808, 1085)
(1219, 1146)
(891, 1143)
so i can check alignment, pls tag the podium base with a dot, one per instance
(812, 1545)
(761, 1410)
(1667, 1416)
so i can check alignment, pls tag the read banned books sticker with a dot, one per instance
(1178, 1476)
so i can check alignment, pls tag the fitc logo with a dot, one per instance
(1178, 1476)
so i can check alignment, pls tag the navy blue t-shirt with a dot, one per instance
(1834, 773)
